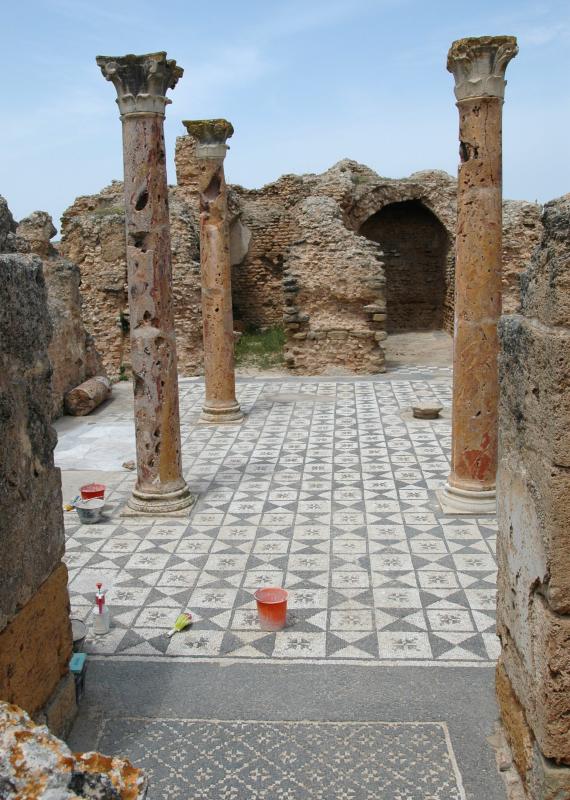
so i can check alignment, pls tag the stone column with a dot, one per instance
(220, 403)
(478, 66)
(141, 83)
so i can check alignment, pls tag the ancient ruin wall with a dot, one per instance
(534, 516)
(261, 229)
(344, 325)
(522, 230)
(265, 235)
(93, 237)
(413, 198)
(257, 280)
(72, 352)
(35, 632)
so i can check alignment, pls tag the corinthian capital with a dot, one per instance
(479, 64)
(210, 135)
(141, 81)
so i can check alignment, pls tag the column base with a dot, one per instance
(462, 502)
(168, 504)
(211, 414)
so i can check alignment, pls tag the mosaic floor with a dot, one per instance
(286, 760)
(327, 489)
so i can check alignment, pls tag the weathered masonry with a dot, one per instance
(35, 632)
(533, 488)
(368, 234)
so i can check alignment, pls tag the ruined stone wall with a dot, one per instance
(522, 230)
(261, 229)
(256, 281)
(534, 516)
(35, 632)
(72, 352)
(344, 325)
(93, 236)
(266, 234)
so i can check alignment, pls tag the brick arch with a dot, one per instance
(417, 257)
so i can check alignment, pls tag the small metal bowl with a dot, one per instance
(89, 511)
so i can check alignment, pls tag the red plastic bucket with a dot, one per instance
(92, 490)
(271, 608)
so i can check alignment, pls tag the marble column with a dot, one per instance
(478, 66)
(220, 403)
(141, 83)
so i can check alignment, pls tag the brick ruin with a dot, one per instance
(382, 248)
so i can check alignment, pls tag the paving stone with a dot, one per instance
(324, 489)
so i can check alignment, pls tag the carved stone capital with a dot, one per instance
(141, 81)
(479, 64)
(210, 135)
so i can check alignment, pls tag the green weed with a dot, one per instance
(263, 350)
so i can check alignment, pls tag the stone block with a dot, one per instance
(35, 647)
(545, 286)
(60, 710)
(336, 334)
(534, 367)
(31, 515)
(240, 238)
(379, 317)
(534, 517)
(540, 674)
(380, 336)
(361, 334)
(547, 780)
(513, 718)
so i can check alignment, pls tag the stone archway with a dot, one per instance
(416, 251)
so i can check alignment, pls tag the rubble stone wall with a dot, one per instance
(534, 515)
(275, 238)
(93, 237)
(72, 352)
(35, 632)
(343, 326)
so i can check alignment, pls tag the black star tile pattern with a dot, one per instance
(327, 489)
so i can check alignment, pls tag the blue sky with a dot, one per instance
(305, 83)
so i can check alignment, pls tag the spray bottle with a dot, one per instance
(101, 614)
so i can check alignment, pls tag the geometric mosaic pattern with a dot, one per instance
(326, 489)
(288, 760)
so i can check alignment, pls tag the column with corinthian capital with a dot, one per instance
(141, 83)
(478, 66)
(220, 403)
